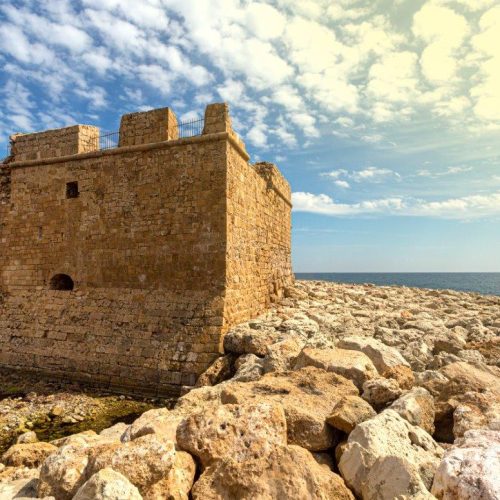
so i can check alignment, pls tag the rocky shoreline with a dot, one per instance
(339, 392)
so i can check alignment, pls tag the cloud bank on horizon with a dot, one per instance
(302, 77)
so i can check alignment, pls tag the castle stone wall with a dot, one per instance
(258, 242)
(168, 245)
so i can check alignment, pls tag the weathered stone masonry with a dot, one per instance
(168, 242)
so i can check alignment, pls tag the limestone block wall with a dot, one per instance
(144, 243)
(55, 143)
(258, 242)
(148, 127)
(4, 185)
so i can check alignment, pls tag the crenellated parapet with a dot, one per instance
(148, 127)
(142, 128)
(53, 143)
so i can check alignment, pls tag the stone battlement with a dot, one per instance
(126, 267)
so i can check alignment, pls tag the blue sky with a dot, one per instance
(384, 115)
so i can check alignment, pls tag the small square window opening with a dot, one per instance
(72, 190)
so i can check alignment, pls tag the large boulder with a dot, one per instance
(381, 355)
(115, 431)
(308, 397)
(30, 455)
(281, 356)
(416, 406)
(301, 326)
(249, 367)
(403, 375)
(161, 421)
(177, 484)
(353, 365)
(107, 484)
(379, 392)
(463, 377)
(390, 476)
(475, 410)
(349, 412)
(238, 431)
(63, 472)
(221, 369)
(144, 461)
(389, 435)
(18, 482)
(470, 469)
(449, 385)
(207, 397)
(287, 472)
(245, 340)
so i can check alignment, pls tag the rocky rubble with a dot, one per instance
(340, 391)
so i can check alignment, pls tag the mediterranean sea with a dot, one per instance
(484, 283)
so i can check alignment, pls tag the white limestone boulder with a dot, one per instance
(245, 340)
(160, 421)
(470, 469)
(389, 435)
(143, 461)
(381, 355)
(281, 356)
(107, 484)
(417, 407)
(249, 367)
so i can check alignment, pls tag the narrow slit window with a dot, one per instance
(72, 190)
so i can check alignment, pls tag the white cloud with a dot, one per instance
(264, 21)
(156, 76)
(454, 170)
(444, 31)
(335, 174)
(393, 86)
(486, 93)
(257, 136)
(342, 184)
(368, 174)
(14, 42)
(372, 139)
(50, 33)
(96, 96)
(231, 90)
(146, 14)
(467, 207)
(324, 204)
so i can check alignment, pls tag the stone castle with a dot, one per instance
(125, 267)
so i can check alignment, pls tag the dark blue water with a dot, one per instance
(485, 283)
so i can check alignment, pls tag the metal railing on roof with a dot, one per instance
(190, 128)
(111, 140)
